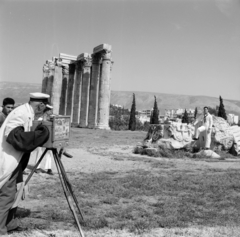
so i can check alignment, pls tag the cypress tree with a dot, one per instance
(151, 117)
(132, 120)
(185, 118)
(154, 116)
(195, 113)
(221, 110)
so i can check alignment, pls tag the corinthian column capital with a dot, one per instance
(87, 62)
(65, 70)
(86, 59)
(51, 65)
(45, 68)
(106, 55)
(58, 63)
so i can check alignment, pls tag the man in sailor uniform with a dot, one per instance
(17, 141)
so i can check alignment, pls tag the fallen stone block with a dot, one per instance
(208, 153)
(151, 151)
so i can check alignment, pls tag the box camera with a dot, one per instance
(59, 129)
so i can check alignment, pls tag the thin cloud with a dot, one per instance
(228, 7)
(177, 26)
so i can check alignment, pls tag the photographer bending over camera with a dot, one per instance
(17, 142)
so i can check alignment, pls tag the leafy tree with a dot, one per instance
(118, 111)
(185, 118)
(221, 110)
(195, 113)
(155, 114)
(132, 120)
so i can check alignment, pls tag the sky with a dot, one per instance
(187, 47)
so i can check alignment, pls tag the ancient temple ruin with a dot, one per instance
(79, 86)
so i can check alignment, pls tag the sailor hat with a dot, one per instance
(40, 97)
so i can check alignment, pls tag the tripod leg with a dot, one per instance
(69, 186)
(66, 192)
(35, 167)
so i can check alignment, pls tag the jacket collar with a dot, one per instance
(30, 110)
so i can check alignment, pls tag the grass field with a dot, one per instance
(156, 197)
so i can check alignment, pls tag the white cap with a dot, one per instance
(39, 95)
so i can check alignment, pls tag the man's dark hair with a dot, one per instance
(205, 107)
(8, 101)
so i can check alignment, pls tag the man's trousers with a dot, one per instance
(7, 197)
(207, 135)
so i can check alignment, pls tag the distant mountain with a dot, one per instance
(18, 91)
(144, 100)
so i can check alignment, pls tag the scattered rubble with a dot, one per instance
(175, 136)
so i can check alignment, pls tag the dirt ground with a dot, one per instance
(118, 158)
(112, 157)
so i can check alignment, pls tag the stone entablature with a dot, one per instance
(67, 80)
(67, 56)
(102, 47)
(83, 56)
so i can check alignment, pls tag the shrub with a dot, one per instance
(122, 123)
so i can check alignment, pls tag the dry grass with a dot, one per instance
(140, 201)
(88, 138)
(174, 232)
(161, 201)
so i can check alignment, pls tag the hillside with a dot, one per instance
(144, 100)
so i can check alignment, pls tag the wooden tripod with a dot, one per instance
(66, 185)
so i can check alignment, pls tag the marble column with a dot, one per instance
(94, 89)
(45, 77)
(56, 88)
(86, 73)
(70, 90)
(49, 86)
(104, 91)
(77, 93)
(63, 98)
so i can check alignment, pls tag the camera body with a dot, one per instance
(59, 131)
